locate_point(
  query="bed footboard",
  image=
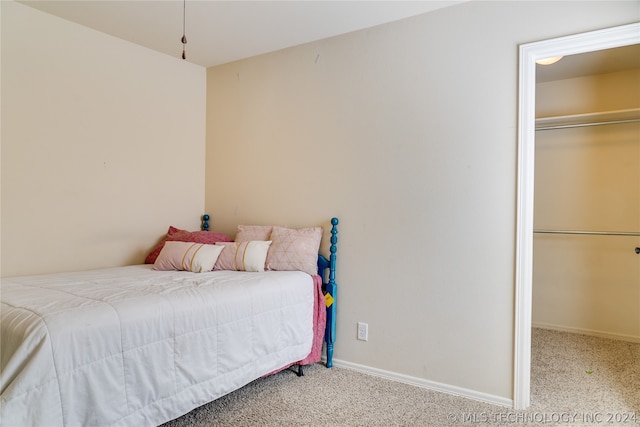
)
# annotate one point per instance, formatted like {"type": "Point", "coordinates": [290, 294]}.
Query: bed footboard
{"type": "Point", "coordinates": [330, 289]}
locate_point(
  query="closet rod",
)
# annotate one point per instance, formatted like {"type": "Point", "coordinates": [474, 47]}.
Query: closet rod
{"type": "Point", "coordinates": [598, 233]}
{"type": "Point", "coordinates": [631, 115]}
{"type": "Point", "coordinates": [578, 125]}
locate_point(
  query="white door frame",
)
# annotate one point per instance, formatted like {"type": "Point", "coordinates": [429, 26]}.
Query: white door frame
{"type": "Point", "coordinates": [580, 43]}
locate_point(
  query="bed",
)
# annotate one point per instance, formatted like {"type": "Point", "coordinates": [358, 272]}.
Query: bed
{"type": "Point", "coordinates": [143, 344]}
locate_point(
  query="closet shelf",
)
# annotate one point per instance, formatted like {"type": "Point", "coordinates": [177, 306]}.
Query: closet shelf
{"type": "Point", "coordinates": [589, 119]}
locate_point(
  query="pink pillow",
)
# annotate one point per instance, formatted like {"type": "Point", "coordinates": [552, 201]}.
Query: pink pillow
{"type": "Point", "coordinates": [243, 256]}
{"type": "Point", "coordinates": [253, 232]}
{"type": "Point", "coordinates": [187, 256]}
{"type": "Point", "coordinates": [175, 234]}
{"type": "Point", "coordinates": [294, 249]}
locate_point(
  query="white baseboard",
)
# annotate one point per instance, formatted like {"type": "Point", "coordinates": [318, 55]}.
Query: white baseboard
{"type": "Point", "coordinates": [594, 333]}
{"type": "Point", "coordinates": [422, 383]}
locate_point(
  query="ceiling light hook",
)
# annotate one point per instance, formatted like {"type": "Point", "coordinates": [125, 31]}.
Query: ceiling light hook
{"type": "Point", "coordinates": [184, 37]}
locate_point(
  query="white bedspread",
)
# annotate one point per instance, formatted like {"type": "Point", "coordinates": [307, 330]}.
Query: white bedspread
{"type": "Point", "coordinates": [133, 346]}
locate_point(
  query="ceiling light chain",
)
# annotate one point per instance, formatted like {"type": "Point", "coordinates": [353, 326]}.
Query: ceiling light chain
{"type": "Point", "coordinates": [184, 37]}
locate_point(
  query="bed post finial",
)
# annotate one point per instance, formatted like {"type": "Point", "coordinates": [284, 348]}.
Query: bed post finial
{"type": "Point", "coordinates": [332, 290]}
{"type": "Point", "coordinates": [333, 249]}
{"type": "Point", "coordinates": [205, 222]}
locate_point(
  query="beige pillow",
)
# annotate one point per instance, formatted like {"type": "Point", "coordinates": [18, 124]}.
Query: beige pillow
{"type": "Point", "coordinates": [294, 249]}
{"type": "Point", "coordinates": [243, 256]}
{"type": "Point", "coordinates": [247, 233]}
{"type": "Point", "coordinates": [187, 256]}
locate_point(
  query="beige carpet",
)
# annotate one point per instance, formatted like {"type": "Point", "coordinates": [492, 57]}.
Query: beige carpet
{"type": "Point", "coordinates": [576, 380]}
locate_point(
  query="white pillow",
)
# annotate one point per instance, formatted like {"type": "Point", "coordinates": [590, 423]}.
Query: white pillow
{"type": "Point", "coordinates": [243, 256]}
{"type": "Point", "coordinates": [187, 256]}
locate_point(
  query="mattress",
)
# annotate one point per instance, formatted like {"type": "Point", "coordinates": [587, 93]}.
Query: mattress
{"type": "Point", "coordinates": [135, 346]}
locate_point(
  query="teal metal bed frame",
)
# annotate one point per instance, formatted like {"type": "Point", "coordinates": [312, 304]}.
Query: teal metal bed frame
{"type": "Point", "coordinates": [330, 290]}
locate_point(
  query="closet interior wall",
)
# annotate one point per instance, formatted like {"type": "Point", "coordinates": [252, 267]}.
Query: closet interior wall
{"type": "Point", "coordinates": [587, 178]}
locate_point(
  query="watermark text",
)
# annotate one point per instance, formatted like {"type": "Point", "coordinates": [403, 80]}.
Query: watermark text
{"type": "Point", "coordinates": [612, 418]}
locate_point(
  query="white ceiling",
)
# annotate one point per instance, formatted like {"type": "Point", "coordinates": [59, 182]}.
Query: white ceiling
{"type": "Point", "coordinates": [223, 31]}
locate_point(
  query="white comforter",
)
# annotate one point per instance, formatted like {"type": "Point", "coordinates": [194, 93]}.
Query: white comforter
{"type": "Point", "coordinates": [132, 346]}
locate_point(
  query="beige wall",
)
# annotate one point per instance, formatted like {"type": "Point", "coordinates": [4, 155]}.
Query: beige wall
{"type": "Point", "coordinates": [588, 178]}
{"type": "Point", "coordinates": [407, 133]}
{"type": "Point", "coordinates": [589, 94]}
{"type": "Point", "coordinates": [103, 145]}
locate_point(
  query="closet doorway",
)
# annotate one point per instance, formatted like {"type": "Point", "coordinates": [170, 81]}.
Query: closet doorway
{"type": "Point", "coordinates": [573, 45]}
{"type": "Point", "coordinates": [586, 274]}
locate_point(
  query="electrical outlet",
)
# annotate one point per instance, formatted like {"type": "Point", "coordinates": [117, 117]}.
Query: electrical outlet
{"type": "Point", "coordinates": [363, 331]}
